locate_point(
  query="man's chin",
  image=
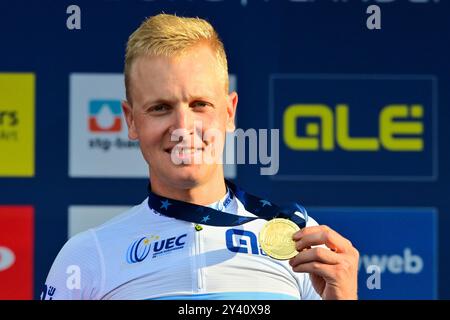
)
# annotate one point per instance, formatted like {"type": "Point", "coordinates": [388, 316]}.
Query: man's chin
{"type": "Point", "coordinates": [188, 176]}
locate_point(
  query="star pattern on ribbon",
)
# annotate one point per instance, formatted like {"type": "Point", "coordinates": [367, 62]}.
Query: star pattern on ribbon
{"type": "Point", "coordinates": [165, 204]}
{"type": "Point", "coordinates": [261, 208]}
{"type": "Point", "coordinates": [241, 219]}
{"type": "Point", "coordinates": [265, 203]}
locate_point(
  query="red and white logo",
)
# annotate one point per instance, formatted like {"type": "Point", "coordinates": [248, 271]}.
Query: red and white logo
{"type": "Point", "coordinates": [7, 258]}
{"type": "Point", "coordinates": [16, 252]}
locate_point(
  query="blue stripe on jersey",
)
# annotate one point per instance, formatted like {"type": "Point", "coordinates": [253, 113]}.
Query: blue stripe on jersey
{"type": "Point", "coordinates": [230, 296]}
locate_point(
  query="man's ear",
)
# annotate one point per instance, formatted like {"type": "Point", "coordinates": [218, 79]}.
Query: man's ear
{"type": "Point", "coordinates": [128, 112]}
{"type": "Point", "coordinates": [231, 111]}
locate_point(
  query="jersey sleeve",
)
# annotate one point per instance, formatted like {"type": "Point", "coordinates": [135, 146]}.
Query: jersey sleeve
{"type": "Point", "coordinates": [77, 272]}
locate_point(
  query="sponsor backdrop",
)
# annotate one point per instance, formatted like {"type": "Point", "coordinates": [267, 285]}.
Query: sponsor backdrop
{"type": "Point", "coordinates": [362, 117]}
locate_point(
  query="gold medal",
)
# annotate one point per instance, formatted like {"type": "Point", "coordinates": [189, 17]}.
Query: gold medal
{"type": "Point", "coordinates": [275, 238]}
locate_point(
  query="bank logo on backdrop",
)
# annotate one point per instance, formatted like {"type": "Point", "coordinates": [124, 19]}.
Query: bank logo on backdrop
{"type": "Point", "coordinates": [397, 246]}
{"type": "Point", "coordinates": [16, 252]}
{"type": "Point", "coordinates": [98, 137]}
{"type": "Point", "coordinates": [355, 127]}
{"type": "Point", "coordinates": [105, 116]}
{"type": "Point", "coordinates": [99, 144]}
{"type": "Point", "coordinates": [17, 101]}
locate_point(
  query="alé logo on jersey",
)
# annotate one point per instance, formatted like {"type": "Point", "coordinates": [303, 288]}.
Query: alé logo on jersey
{"type": "Point", "coordinates": [154, 246]}
{"type": "Point", "coordinates": [347, 127]}
{"type": "Point", "coordinates": [243, 241]}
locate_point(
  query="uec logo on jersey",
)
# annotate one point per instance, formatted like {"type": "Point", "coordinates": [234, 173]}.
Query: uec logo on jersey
{"type": "Point", "coordinates": [139, 250]}
{"type": "Point", "coordinates": [242, 241]}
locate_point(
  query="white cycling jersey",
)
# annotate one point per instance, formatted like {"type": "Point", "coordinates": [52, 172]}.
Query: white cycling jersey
{"type": "Point", "coordinates": [144, 255]}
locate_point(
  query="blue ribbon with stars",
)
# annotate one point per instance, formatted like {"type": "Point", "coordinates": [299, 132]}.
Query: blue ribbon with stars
{"type": "Point", "coordinates": [261, 208]}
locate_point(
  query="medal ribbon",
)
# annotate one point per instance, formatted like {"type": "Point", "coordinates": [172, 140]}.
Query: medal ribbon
{"type": "Point", "coordinates": [261, 208]}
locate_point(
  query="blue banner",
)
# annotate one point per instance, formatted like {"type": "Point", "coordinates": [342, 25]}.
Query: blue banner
{"type": "Point", "coordinates": [355, 127]}
{"type": "Point", "coordinates": [398, 249]}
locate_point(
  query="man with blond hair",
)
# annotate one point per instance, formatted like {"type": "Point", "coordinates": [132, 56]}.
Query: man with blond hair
{"type": "Point", "coordinates": [196, 235]}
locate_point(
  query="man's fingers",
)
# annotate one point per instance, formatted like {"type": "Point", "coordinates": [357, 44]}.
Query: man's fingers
{"type": "Point", "coordinates": [318, 235]}
{"type": "Point", "coordinates": [321, 269]}
{"type": "Point", "coordinates": [321, 255]}
{"type": "Point", "coordinates": [315, 239]}
{"type": "Point", "coordinates": [309, 240]}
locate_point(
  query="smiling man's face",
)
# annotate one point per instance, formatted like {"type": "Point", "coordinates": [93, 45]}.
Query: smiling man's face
{"type": "Point", "coordinates": [186, 92]}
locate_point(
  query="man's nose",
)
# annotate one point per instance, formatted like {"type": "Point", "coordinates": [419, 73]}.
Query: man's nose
{"type": "Point", "coordinates": [183, 119]}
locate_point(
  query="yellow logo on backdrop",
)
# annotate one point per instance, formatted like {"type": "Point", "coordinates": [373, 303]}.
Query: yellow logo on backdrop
{"type": "Point", "coordinates": [396, 133]}
{"type": "Point", "coordinates": [17, 124]}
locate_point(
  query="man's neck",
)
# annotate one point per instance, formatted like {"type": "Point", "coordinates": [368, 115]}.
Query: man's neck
{"type": "Point", "coordinates": [198, 193]}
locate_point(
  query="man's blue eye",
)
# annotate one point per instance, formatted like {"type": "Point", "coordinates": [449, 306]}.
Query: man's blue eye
{"type": "Point", "coordinates": [160, 107]}
{"type": "Point", "coordinates": [200, 104]}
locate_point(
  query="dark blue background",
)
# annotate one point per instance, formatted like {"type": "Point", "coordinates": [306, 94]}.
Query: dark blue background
{"type": "Point", "coordinates": [261, 38]}
{"type": "Point", "coordinates": [389, 232]}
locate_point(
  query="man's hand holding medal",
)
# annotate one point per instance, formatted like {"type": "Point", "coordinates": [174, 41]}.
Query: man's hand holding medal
{"type": "Point", "coordinates": [329, 258]}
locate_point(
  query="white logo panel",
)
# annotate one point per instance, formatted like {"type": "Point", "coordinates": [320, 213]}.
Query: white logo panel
{"type": "Point", "coordinates": [82, 218]}
{"type": "Point", "coordinates": [99, 144]}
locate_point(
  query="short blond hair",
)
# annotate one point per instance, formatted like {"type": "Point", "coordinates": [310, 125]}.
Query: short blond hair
{"type": "Point", "coordinates": [169, 35]}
